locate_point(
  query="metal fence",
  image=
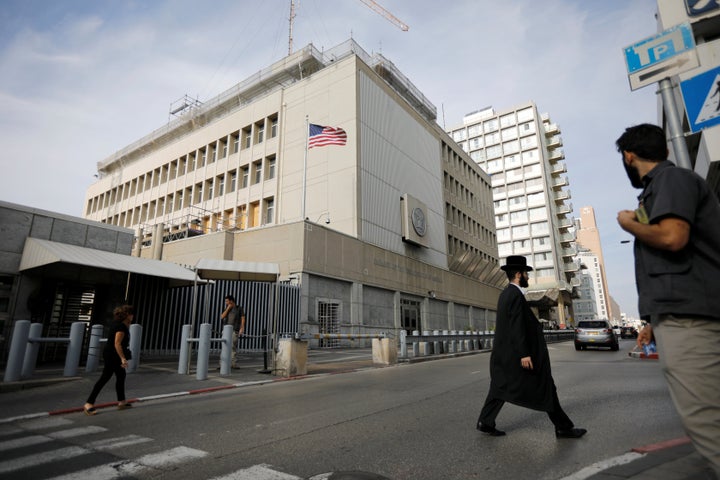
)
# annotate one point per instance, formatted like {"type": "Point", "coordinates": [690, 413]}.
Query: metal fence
{"type": "Point", "coordinates": [162, 311]}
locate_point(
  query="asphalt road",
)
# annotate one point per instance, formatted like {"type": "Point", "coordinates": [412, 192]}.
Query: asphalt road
{"type": "Point", "coordinates": [412, 421]}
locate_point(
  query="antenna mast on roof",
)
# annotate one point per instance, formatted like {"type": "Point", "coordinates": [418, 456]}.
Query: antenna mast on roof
{"type": "Point", "coordinates": [291, 20]}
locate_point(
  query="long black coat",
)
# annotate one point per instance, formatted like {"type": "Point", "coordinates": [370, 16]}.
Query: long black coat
{"type": "Point", "coordinates": [518, 334]}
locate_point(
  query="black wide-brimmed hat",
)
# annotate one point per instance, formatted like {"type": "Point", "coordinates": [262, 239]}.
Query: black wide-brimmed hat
{"type": "Point", "coordinates": [516, 262]}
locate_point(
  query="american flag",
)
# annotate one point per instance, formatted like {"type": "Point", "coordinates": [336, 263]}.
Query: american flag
{"type": "Point", "coordinates": [320, 136]}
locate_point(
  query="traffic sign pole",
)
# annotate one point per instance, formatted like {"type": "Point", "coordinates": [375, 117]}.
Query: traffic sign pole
{"type": "Point", "coordinates": [674, 123]}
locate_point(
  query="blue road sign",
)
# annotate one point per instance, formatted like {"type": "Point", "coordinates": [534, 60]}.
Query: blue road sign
{"type": "Point", "coordinates": [659, 48]}
{"type": "Point", "coordinates": [700, 7]}
{"type": "Point", "coordinates": [701, 95]}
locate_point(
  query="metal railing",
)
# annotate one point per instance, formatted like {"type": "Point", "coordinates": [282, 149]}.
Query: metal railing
{"type": "Point", "coordinates": [438, 342]}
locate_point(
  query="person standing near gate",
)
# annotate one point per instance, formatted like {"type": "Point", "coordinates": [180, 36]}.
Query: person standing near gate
{"type": "Point", "coordinates": [234, 315]}
{"type": "Point", "coordinates": [520, 362]}
{"type": "Point", "coordinates": [115, 355]}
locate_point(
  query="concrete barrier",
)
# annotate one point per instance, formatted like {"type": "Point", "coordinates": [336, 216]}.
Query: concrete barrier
{"type": "Point", "coordinates": [291, 358]}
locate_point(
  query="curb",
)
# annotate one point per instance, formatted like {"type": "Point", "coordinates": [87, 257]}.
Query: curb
{"type": "Point", "coordinates": [161, 396]}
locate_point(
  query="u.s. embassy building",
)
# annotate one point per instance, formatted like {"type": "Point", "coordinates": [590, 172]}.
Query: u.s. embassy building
{"type": "Point", "coordinates": [394, 230]}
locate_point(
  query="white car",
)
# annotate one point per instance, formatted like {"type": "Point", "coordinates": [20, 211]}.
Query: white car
{"type": "Point", "coordinates": [616, 330]}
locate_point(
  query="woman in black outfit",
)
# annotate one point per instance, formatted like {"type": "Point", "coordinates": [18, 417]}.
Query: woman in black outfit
{"type": "Point", "coordinates": [115, 355]}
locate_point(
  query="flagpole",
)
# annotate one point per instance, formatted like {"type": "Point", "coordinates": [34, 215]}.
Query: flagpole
{"type": "Point", "coordinates": [304, 185]}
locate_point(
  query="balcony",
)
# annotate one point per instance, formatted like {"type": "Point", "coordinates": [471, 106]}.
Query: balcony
{"type": "Point", "coordinates": [561, 196]}
{"type": "Point", "coordinates": [554, 142]}
{"type": "Point", "coordinates": [572, 266]}
{"type": "Point", "coordinates": [567, 238]}
{"type": "Point", "coordinates": [565, 224]}
{"type": "Point", "coordinates": [551, 129]}
{"type": "Point", "coordinates": [560, 182]}
{"type": "Point", "coordinates": [575, 282]}
{"type": "Point", "coordinates": [557, 168]}
{"type": "Point", "coordinates": [556, 155]}
{"type": "Point", "coordinates": [569, 252]}
{"type": "Point", "coordinates": [564, 209]}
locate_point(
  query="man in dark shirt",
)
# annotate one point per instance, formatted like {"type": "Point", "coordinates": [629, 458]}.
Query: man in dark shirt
{"type": "Point", "coordinates": [233, 315]}
{"type": "Point", "coordinates": [677, 270]}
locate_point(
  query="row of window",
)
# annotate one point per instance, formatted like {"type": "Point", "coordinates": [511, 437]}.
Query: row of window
{"type": "Point", "coordinates": [522, 231]}
{"type": "Point", "coordinates": [208, 154]}
{"type": "Point", "coordinates": [493, 124]}
{"type": "Point", "coordinates": [466, 223]}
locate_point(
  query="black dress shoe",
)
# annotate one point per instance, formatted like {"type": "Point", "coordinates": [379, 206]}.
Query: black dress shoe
{"type": "Point", "coordinates": [570, 433]}
{"type": "Point", "coordinates": [492, 431]}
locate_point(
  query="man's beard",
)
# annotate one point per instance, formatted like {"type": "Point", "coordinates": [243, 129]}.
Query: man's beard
{"type": "Point", "coordinates": [633, 175]}
{"type": "Point", "coordinates": [524, 281]}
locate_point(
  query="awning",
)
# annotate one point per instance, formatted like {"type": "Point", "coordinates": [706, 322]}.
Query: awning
{"type": "Point", "coordinates": [209, 269]}
{"type": "Point", "coordinates": [39, 253]}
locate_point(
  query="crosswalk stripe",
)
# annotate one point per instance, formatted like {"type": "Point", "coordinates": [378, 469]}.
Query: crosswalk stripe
{"type": "Point", "coordinates": [258, 472]}
{"type": "Point", "coordinates": [76, 432]}
{"type": "Point", "coordinates": [109, 471]}
{"type": "Point", "coordinates": [118, 442]}
{"type": "Point", "coordinates": [169, 457]}
{"type": "Point", "coordinates": [39, 458]}
{"type": "Point", "coordinates": [45, 422]}
{"type": "Point", "coordinates": [126, 468]}
{"type": "Point", "coordinates": [23, 442]}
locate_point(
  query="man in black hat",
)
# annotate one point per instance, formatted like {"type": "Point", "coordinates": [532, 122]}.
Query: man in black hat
{"type": "Point", "coordinates": [520, 363]}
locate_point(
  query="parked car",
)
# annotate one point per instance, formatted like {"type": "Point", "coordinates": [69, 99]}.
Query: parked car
{"type": "Point", "coordinates": [595, 333]}
{"type": "Point", "coordinates": [628, 332]}
{"type": "Point", "coordinates": [617, 330]}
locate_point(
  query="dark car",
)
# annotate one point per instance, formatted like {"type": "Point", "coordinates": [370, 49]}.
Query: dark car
{"type": "Point", "coordinates": [628, 332]}
{"type": "Point", "coordinates": [595, 333]}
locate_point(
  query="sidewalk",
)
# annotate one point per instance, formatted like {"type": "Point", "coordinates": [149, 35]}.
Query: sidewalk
{"type": "Point", "coordinates": [49, 393]}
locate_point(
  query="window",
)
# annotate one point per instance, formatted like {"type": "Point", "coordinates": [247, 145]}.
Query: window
{"type": "Point", "coordinates": [259, 132]}
{"type": "Point", "coordinates": [257, 172]}
{"type": "Point", "coordinates": [525, 115]}
{"type": "Point", "coordinates": [328, 315]}
{"type": "Point", "coordinates": [459, 135]}
{"type": "Point", "coordinates": [235, 139]}
{"type": "Point", "coordinates": [474, 130]}
{"type": "Point", "coordinates": [538, 213]}
{"type": "Point", "coordinates": [476, 143]}
{"type": "Point", "coordinates": [494, 151]}
{"type": "Point", "coordinates": [494, 166]}
{"type": "Point", "coordinates": [203, 158]}
{"type": "Point", "coordinates": [539, 228]}
{"type": "Point", "coordinates": [233, 181]}
{"type": "Point", "coordinates": [539, 242]}
{"type": "Point", "coordinates": [269, 210]}
{"type": "Point", "coordinates": [270, 168]}
{"type": "Point", "coordinates": [530, 157]}
{"type": "Point", "coordinates": [519, 217]}
{"type": "Point", "coordinates": [273, 127]}
{"type": "Point", "coordinates": [520, 231]}
{"type": "Point", "coordinates": [247, 137]}
{"type": "Point", "coordinates": [509, 133]}
{"type": "Point", "coordinates": [528, 142]}
{"type": "Point", "coordinates": [492, 138]}
{"type": "Point", "coordinates": [221, 185]}
{"type": "Point", "coordinates": [511, 147]}
{"type": "Point", "coordinates": [527, 128]}
{"type": "Point", "coordinates": [490, 125]}
{"type": "Point", "coordinates": [245, 174]}
{"type": "Point", "coordinates": [507, 120]}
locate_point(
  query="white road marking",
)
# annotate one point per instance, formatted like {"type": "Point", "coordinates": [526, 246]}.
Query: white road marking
{"type": "Point", "coordinates": [172, 456]}
{"type": "Point", "coordinates": [127, 468]}
{"type": "Point", "coordinates": [23, 442]}
{"type": "Point", "coordinates": [39, 458]}
{"type": "Point", "coordinates": [258, 472]}
{"type": "Point", "coordinates": [76, 432]}
{"type": "Point", "coordinates": [598, 467]}
{"type": "Point", "coordinates": [45, 422]}
{"type": "Point", "coordinates": [118, 442]}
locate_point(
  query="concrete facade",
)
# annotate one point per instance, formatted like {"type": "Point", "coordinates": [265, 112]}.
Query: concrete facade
{"type": "Point", "coordinates": [31, 295]}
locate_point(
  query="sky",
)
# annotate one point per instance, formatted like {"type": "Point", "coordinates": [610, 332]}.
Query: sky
{"type": "Point", "coordinates": [81, 79]}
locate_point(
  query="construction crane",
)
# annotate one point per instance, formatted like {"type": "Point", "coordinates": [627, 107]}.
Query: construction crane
{"type": "Point", "coordinates": [389, 16]}
{"type": "Point", "coordinates": [370, 3]}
